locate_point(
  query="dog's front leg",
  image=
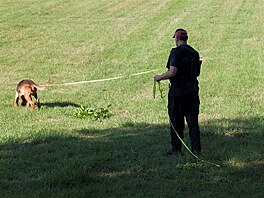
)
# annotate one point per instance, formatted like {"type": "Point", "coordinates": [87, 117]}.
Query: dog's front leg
{"type": "Point", "coordinates": [16, 100]}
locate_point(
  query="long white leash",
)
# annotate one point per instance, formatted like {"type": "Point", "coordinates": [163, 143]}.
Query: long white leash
{"type": "Point", "coordinates": [104, 79]}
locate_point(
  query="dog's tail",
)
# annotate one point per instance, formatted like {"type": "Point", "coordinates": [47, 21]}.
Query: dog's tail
{"type": "Point", "coordinates": [41, 87]}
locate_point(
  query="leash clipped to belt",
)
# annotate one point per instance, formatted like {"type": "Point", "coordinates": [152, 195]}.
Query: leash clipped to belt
{"type": "Point", "coordinates": [162, 97]}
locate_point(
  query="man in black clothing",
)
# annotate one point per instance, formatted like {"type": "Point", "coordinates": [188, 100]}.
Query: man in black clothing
{"type": "Point", "coordinates": [183, 98]}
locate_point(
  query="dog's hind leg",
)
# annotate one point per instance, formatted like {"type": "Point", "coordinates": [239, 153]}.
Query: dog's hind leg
{"type": "Point", "coordinates": [31, 103]}
{"type": "Point", "coordinates": [34, 93]}
{"type": "Point", "coordinates": [29, 100]}
{"type": "Point", "coordinates": [38, 103]}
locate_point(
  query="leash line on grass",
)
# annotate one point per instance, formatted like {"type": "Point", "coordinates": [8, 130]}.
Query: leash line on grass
{"type": "Point", "coordinates": [162, 97]}
{"type": "Point", "coordinates": [154, 94]}
{"type": "Point", "coordinates": [104, 79]}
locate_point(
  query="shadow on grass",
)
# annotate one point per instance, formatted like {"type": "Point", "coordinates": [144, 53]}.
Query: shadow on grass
{"type": "Point", "coordinates": [59, 104]}
{"type": "Point", "coordinates": [128, 161]}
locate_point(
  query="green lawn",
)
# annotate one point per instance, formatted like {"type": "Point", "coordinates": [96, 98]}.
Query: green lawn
{"type": "Point", "coordinates": [48, 152]}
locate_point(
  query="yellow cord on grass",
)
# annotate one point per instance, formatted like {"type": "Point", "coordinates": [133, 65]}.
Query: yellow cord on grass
{"type": "Point", "coordinates": [154, 94]}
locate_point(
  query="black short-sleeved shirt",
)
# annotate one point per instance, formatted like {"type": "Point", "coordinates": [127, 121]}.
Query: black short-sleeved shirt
{"type": "Point", "coordinates": [185, 81]}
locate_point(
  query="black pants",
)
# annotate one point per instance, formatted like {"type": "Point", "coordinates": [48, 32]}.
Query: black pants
{"type": "Point", "coordinates": [180, 107]}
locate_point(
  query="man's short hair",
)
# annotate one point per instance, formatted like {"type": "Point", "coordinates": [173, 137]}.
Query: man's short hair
{"type": "Point", "coordinates": [181, 34]}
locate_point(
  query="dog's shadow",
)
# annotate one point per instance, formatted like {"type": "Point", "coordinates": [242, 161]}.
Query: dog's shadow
{"type": "Point", "coordinates": [59, 104]}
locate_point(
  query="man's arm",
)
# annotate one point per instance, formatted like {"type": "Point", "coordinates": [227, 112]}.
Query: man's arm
{"type": "Point", "coordinates": [167, 75]}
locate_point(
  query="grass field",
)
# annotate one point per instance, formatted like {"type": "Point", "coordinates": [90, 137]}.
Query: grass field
{"type": "Point", "coordinates": [48, 152]}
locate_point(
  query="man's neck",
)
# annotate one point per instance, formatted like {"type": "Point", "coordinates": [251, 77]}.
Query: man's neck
{"type": "Point", "coordinates": [179, 43]}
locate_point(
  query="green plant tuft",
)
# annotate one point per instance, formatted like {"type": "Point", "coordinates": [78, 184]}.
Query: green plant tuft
{"type": "Point", "coordinates": [84, 112]}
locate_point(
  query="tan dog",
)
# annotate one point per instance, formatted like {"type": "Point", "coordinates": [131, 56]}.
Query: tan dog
{"type": "Point", "coordinates": [25, 90]}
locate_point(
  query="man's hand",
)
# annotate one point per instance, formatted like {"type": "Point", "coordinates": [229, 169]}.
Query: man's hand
{"type": "Point", "coordinates": [167, 75]}
{"type": "Point", "coordinates": [157, 78]}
